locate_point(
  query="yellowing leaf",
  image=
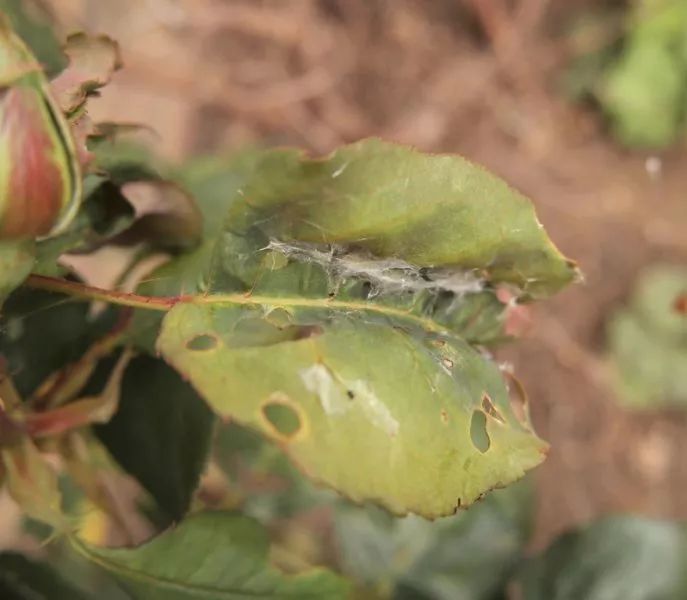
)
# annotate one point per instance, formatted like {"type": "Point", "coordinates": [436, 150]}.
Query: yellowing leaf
{"type": "Point", "coordinates": [379, 412]}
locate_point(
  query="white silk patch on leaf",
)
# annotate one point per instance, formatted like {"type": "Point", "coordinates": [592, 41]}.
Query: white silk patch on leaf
{"type": "Point", "coordinates": [338, 397]}
{"type": "Point", "coordinates": [387, 275]}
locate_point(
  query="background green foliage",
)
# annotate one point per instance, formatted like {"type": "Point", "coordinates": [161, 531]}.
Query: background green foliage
{"type": "Point", "coordinates": [648, 340]}
{"type": "Point", "coordinates": [640, 81]}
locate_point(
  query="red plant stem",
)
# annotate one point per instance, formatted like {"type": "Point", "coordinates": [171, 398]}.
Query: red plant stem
{"type": "Point", "coordinates": [87, 292]}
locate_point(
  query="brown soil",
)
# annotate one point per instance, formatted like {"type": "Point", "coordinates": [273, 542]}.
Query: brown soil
{"type": "Point", "coordinates": [478, 78]}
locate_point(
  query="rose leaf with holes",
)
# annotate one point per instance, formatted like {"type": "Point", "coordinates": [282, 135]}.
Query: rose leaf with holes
{"type": "Point", "coordinates": [340, 307]}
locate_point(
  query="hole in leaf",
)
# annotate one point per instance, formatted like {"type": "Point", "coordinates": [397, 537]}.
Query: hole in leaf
{"type": "Point", "coordinates": [437, 342]}
{"type": "Point", "coordinates": [279, 317]}
{"type": "Point", "coordinates": [204, 341]}
{"type": "Point", "coordinates": [478, 431]}
{"type": "Point", "coordinates": [489, 408]}
{"type": "Point", "coordinates": [283, 418]}
{"type": "Point", "coordinates": [518, 399]}
{"type": "Point", "coordinates": [308, 331]}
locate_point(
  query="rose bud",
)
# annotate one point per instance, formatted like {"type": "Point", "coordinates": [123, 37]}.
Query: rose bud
{"type": "Point", "coordinates": [40, 179]}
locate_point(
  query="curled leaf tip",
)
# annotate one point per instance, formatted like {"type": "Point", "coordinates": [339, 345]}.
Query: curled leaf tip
{"type": "Point", "coordinates": [93, 59]}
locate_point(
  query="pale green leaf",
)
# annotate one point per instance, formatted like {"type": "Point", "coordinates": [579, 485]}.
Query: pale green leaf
{"type": "Point", "coordinates": [373, 405]}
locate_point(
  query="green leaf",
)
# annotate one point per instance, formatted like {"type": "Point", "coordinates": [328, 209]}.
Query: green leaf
{"type": "Point", "coordinates": [437, 221]}
{"type": "Point", "coordinates": [24, 579]}
{"type": "Point", "coordinates": [643, 88]}
{"type": "Point", "coordinates": [644, 94]}
{"type": "Point", "coordinates": [332, 305]}
{"type": "Point", "coordinates": [615, 558]}
{"type": "Point", "coordinates": [432, 211]}
{"type": "Point", "coordinates": [211, 555]}
{"type": "Point", "coordinates": [81, 572]}
{"type": "Point", "coordinates": [160, 434]}
{"type": "Point", "coordinates": [469, 556]}
{"type": "Point", "coordinates": [648, 341]}
{"type": "Point", "coordinates": [16, 262]}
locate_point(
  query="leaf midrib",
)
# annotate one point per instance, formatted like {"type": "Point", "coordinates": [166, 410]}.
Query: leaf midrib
{"type": "Point", "coordinates": [323, 303]}
{"type": "Point", "coordinates": [167, 303]}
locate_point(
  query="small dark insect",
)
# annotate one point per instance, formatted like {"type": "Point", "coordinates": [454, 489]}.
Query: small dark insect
{"type": "Point", "coordinates": [350, 394]}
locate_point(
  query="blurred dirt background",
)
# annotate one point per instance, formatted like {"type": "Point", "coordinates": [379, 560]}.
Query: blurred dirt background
{"type": "Point", "coordinates": [477, 77]}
